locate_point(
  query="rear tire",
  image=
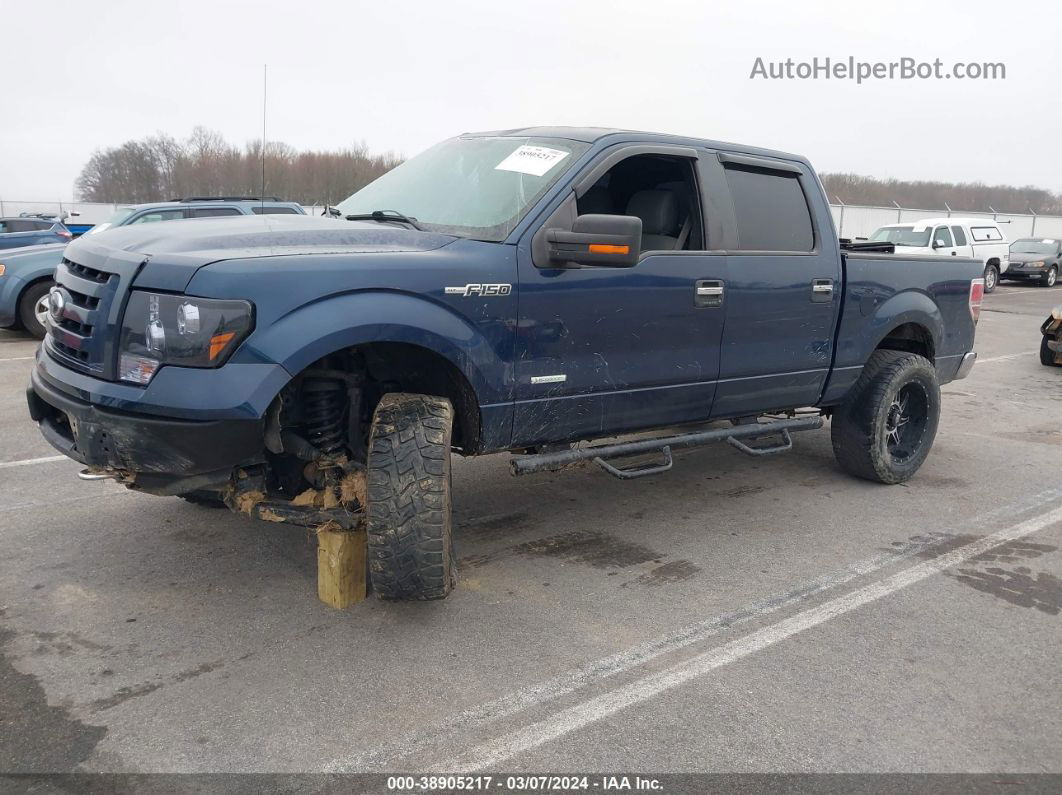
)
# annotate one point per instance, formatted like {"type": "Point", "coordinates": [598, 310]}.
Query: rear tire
{"type": "Point", "coordinates": [991, 278]}
{"type": "Point", "coordinates": [1047, 356]}
{"type": "Point", "coordinates": [409, 522]}
{"type": "Point", "coordinates": [1050, 277]}
{"type": "Point", "coordinates": [28, 308]}
{"type": "Point", "coordinates": [886, 426]}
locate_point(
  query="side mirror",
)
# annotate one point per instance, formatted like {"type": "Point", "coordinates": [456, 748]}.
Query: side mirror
{"type": "Point", "coordinates": [938, 243]}
{"type": "Point", "coordinates": [606, 240]}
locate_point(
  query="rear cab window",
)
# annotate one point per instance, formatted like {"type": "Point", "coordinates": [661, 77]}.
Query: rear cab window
{"type": "Point", "coordinates": [960, 236]}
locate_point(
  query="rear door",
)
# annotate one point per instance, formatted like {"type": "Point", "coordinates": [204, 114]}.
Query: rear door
{"type": "Point", "coordinates": [962, 241]}
{"type": "Point", "coordinates": [783, 288]}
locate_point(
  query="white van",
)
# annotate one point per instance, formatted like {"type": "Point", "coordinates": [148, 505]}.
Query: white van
{"type": "Point", "coordinates": [954, 237]}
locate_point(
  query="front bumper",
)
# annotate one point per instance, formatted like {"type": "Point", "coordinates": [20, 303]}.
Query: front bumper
{"type": "Point", "coordinates": [153, 449]}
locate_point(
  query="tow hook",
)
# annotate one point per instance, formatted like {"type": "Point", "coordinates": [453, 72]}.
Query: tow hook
{"type": "Point", "coordinates": [100, 474]}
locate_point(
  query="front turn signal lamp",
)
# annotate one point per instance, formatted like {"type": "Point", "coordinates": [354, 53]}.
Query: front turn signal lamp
{"type": "Point", "coordinates": [162, 329]}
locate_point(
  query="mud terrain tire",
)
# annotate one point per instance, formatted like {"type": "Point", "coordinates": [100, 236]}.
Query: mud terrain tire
{"type": "Point", "coordinates": [885, 428]}
{"type": "Point", "coordinates": [409, 520]}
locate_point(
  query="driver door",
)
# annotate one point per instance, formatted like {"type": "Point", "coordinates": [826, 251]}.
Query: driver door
{"type": "Point", "coordinates": [603, 350]}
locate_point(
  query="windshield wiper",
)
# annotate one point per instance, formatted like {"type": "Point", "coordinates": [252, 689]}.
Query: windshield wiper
{"type": "Point", "coordinates": [385, 216]}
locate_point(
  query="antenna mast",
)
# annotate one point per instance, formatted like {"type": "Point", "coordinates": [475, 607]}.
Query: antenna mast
{"type": "Point", "coordinates": [265, 83]}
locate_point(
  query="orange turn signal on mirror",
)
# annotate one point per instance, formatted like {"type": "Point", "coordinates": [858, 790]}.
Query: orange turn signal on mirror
{"type": "Point", "coordinates": [607, 248]}
{"type": "Point", "coordinates": [218, 343]}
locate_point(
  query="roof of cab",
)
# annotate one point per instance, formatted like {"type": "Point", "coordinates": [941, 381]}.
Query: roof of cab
{"type": "Point", "coordinates": [592, 135]}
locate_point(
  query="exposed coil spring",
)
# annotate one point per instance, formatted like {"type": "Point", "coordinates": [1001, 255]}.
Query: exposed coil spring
{"type": "Point", "coordinates": [323, 407]}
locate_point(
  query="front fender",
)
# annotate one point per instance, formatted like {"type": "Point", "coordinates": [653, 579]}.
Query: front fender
{"type": "Point", "coordinates": [21, 270]}
{"type": "Point", "coordinates": [314, 330]}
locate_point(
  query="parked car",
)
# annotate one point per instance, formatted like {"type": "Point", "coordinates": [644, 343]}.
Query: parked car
{"type": "Point", "coordinates": [197, 207]}
{"type": "Point", "coordinates": [1035, 259]}
{"type": "Point", "coordinates": [1051, 339]}
{"type": "Point", "coordinates": [24, 288]}
{"type": "Point", "coordinates": [510, 291]}
{"type": "Point", "coordinates": [21, 232]}
{"type": "Point", "coordinates": [954, 237]}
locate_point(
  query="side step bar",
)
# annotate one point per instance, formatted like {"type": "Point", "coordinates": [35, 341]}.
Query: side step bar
{"type": "Point", "coordinates": [551, 462]}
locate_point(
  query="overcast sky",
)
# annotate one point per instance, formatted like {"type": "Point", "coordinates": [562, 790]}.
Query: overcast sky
{"type": "Point", "coordinates": [400, 76]}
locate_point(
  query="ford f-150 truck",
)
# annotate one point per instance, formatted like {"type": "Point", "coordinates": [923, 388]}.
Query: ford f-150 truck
{"type": "Point", "coordinates": [540, 291]}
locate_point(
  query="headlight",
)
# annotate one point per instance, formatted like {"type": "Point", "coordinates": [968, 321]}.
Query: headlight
{"type": "Point", "coordinates": [180, 330]}
{"type": "Point", "coordinates": [1037, 264]}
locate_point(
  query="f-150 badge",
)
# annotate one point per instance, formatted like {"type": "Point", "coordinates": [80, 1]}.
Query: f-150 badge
{"type": "Point", "coordinates": [485, 290]}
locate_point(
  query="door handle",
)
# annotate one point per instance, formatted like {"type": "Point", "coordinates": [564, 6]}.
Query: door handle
{"type": "Point", "coordinates": [708, 292]}
{"type": "Point", "coordinates": [821, 290]}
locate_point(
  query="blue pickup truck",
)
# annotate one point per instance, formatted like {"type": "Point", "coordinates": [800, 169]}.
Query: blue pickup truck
{"type": "Point", "coordinates": [539, 291]}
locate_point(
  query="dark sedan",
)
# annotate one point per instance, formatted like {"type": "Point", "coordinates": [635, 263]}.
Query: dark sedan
{"type": "Point", "coordinates": [1035, 259]}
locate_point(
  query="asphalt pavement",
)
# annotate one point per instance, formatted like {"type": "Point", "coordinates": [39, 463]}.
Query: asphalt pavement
{"type": "Point", "coordinates": [733, 615]}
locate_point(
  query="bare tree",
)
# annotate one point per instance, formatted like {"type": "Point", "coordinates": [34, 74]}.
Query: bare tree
{"type": "Point", "coordinates": [925, 195]}
{"type": "Point", "coordinates": [160, 167]}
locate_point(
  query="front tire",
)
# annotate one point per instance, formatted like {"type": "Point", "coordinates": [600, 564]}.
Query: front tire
{"type": "Point", "coordinates": [886, 426]}
{"type": "Point", "coordinates": [1050, 277]}
{"type": "Point", "coordinates": [33, 308]}
{"type": "Point", "coordinates": [991, 278]}
{"type": "Point", "coordinates": [409, 522]}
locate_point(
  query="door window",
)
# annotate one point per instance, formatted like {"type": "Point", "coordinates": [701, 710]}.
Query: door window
{"type": "Point", "coordinates": [960, 236]}
{"type": "Point", "coordinates": [267, 210]}
{"type": "Point", "coordinates": [659, 189]}
{"type": "Point", "coordinates": [772, 211]}
{"type": "Point", "coordinates": [159, 215]}
{"type": "Point", "coordinates": [942, 238]}
{"type": "Point", "coordinates": [214, 212]}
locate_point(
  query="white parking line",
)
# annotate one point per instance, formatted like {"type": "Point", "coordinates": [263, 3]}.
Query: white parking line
{"type": "Point", "coordinates": [1005, 357]}
{"type": "Point", "coordinates": [31, 461]}
{"type": "Point", "coordinates": [396, 754]}
{"type": "Point", "coordinates": [1018, 292]}
{"type": "Point", "coordinates": [487, 755]}
{"type": "Point", "coordinates": [17, 358]}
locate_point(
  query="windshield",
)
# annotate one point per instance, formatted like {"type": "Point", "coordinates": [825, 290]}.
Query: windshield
{"type": "Point", "coordinates": [1029, 246]}
{"type": "Point", "coordinates": [470, 187]}
{"type": "Point", "coordinates": [902, 236]}
{"type": "Point", "coordinates": [115, 220]}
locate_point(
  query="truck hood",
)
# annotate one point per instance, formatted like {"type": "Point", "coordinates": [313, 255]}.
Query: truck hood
{"type": "Point", "coordinates": [175, 250]}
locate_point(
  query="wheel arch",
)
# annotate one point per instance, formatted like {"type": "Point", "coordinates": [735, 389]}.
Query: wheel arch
{"type": "Point", "coordinates": [435, 352]}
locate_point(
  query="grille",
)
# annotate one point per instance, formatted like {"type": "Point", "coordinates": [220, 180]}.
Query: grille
{"type": "Point", "coordinates": [86, 292]}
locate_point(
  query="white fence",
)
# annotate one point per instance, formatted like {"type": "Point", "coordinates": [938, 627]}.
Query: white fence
{"type": "Point", "coordinates": [852, 220]}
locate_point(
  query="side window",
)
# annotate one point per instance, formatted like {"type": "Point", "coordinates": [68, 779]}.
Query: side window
{"type": "Point", "coordinates": [983, 234]}
{"type": "Point", "coordinates": [159, 215]}
{"type": "Point", "coordinates": [772, 211]}
{"type": "Point", "coordinates": [960, 236]}
{"type": "Point", "coordinates": [214, 212]}
{"type": "Point", "coordinates": [19, 226]}
{"type": "Point", "coordinates": [4, 227]}
{"type": "Point", "coordinates": [267, 210]}
{"type": "Point", "coordinates": [659, 189]}
{"type": "Point", "coordinates": [943, 235]}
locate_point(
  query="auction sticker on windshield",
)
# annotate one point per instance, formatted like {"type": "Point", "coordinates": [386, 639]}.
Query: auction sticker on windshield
{"type": "Point", "coordinates": [534, 160]}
